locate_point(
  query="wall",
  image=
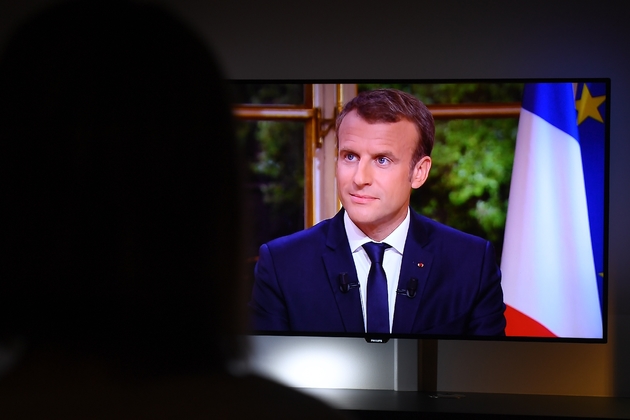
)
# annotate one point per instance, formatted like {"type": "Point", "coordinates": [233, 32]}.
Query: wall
{"type": "Point", "coordinates": [451, 39]}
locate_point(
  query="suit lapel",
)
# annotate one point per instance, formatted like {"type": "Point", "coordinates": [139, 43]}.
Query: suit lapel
{"type": "Point", "coordinates": [416, 263]}
{"type": "Point", "coordinates": [337, 260]}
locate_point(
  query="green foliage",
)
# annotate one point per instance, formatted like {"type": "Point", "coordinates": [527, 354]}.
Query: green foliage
{"type": "Point", "coordinates": [469, 181]}
{"type": "Point", "coordinates": [280, 162]}
{"type": "Point", "coordinates": [274, 178]}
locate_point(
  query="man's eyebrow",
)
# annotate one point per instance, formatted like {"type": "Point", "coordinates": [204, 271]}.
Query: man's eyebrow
{"type": "Point", "coordinates": [346, 149]}
{"type": "Point", "coordinates": [386, 153]}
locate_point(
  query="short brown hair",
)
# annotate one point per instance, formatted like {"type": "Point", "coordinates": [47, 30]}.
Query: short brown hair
{"type": "Point", "coordinates": [392, 105]}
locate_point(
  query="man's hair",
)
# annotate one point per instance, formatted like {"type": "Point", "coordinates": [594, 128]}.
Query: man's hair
{"type": "Point", "coordinates": [390, 106]}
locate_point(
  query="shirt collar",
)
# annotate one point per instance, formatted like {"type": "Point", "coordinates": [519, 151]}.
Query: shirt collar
{"type": "Point", "coordinates": [356, 237]}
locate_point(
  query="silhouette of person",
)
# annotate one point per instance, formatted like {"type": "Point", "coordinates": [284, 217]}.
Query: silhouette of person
{"type": "Point", "coordinates": [122, 289]}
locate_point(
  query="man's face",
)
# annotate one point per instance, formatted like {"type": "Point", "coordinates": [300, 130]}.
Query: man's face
{"type": "Point", "coordinates": [374, 178]}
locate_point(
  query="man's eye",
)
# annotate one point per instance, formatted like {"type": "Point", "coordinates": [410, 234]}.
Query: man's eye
{"type": "Point", "coordinates": [350, 156]}
{"type": "Point", "coordinates": [382, 160]}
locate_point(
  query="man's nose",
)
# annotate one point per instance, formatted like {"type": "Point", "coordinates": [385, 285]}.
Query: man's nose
{"type": "Point", "coordinates": [363, 173]}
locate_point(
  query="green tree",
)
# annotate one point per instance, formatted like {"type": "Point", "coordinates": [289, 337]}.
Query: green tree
{"type": "Point", "coordinates": [469, 182]}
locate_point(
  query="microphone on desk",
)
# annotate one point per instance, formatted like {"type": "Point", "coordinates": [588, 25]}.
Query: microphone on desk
{"type": "Point", "coordinates": [411, 290]}
{"type": "Point", "coordinates": [344, 283]}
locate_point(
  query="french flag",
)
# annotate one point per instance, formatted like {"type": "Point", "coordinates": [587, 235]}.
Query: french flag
{"type": "Point", "coordinates": [549, 274]}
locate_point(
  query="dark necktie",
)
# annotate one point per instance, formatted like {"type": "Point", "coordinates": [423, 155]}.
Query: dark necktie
{"type": "Point", "coordinates": [377, 307]}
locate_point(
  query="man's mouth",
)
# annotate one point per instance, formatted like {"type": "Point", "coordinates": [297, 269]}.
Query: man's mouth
{"type": "Point", "coordinates": [361, 198]}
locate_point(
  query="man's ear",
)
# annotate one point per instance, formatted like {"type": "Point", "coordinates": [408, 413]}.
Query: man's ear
{"type": "Point", "coordinates": [420, 172]}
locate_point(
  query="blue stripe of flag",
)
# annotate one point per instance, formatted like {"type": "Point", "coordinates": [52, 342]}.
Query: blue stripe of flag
{"type": "Point", "coordinates": [550, 101]}
{"type": "Point", "coordinates": [593, 145]}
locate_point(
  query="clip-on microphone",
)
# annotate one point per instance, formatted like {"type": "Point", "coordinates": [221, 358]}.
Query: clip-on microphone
{"type": "Point", "coordinates": [344, 283]}
{"type": "Point", "coordinates": [412, 288]}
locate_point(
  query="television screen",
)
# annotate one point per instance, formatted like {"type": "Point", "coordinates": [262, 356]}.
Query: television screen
{"type": "Point", "coordinates": [495, 229]}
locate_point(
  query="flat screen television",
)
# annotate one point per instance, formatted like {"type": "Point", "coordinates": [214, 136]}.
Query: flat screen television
{"type": "Point", "coordinates": [522, 164]}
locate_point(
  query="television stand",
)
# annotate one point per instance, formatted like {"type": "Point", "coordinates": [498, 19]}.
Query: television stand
{"type": "Point", "coordinates": [368, 404]}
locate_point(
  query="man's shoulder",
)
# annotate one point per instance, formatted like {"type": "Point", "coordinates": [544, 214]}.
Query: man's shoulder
{"type": "Point", "coordinates": [309, 237]}
{"type": "Point", "coordinates": [431, 230]}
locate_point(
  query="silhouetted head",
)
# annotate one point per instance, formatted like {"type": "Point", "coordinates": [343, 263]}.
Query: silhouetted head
{"type": "Point", "coordinates": [120, 177]}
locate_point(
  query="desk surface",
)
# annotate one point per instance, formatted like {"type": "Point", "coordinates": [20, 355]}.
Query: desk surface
{"type": "Point", "coordinates": [475, 403]}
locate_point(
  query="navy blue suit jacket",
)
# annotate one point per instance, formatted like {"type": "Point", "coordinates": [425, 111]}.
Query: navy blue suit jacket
{"type": "Point", "coordinates": [459, 283]}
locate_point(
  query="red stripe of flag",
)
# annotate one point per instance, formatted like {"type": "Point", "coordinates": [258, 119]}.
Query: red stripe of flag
{"type": "Point", "coordinates": [519, 324]}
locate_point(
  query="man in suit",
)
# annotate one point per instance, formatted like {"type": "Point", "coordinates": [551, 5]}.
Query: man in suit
{"type": "Point", "coordinates": [434, 279]}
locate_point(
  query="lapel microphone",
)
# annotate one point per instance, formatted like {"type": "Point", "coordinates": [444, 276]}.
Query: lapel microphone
{"type": "Point", "coordinates": [344, 283]}
{"type": "Point", "coordinates": [412, 288]}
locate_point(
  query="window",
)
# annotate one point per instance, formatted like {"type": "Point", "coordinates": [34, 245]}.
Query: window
{"type": "Point", "coordinates": [287, 132]}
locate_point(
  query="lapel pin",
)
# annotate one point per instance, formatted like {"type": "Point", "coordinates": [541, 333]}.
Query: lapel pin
{"type": "Point", "coordinates": [420, 265]}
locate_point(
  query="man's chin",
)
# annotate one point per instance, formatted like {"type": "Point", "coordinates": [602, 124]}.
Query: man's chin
{"type": "Point", "coordinates": [360, 214]}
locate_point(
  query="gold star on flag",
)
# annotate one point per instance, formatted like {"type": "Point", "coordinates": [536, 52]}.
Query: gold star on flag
{"type": "Point", "coordinates": [587, 106]}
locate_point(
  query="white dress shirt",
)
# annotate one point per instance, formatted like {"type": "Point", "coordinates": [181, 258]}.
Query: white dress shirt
{"type": "Point", "coordinates": [391, 261]}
